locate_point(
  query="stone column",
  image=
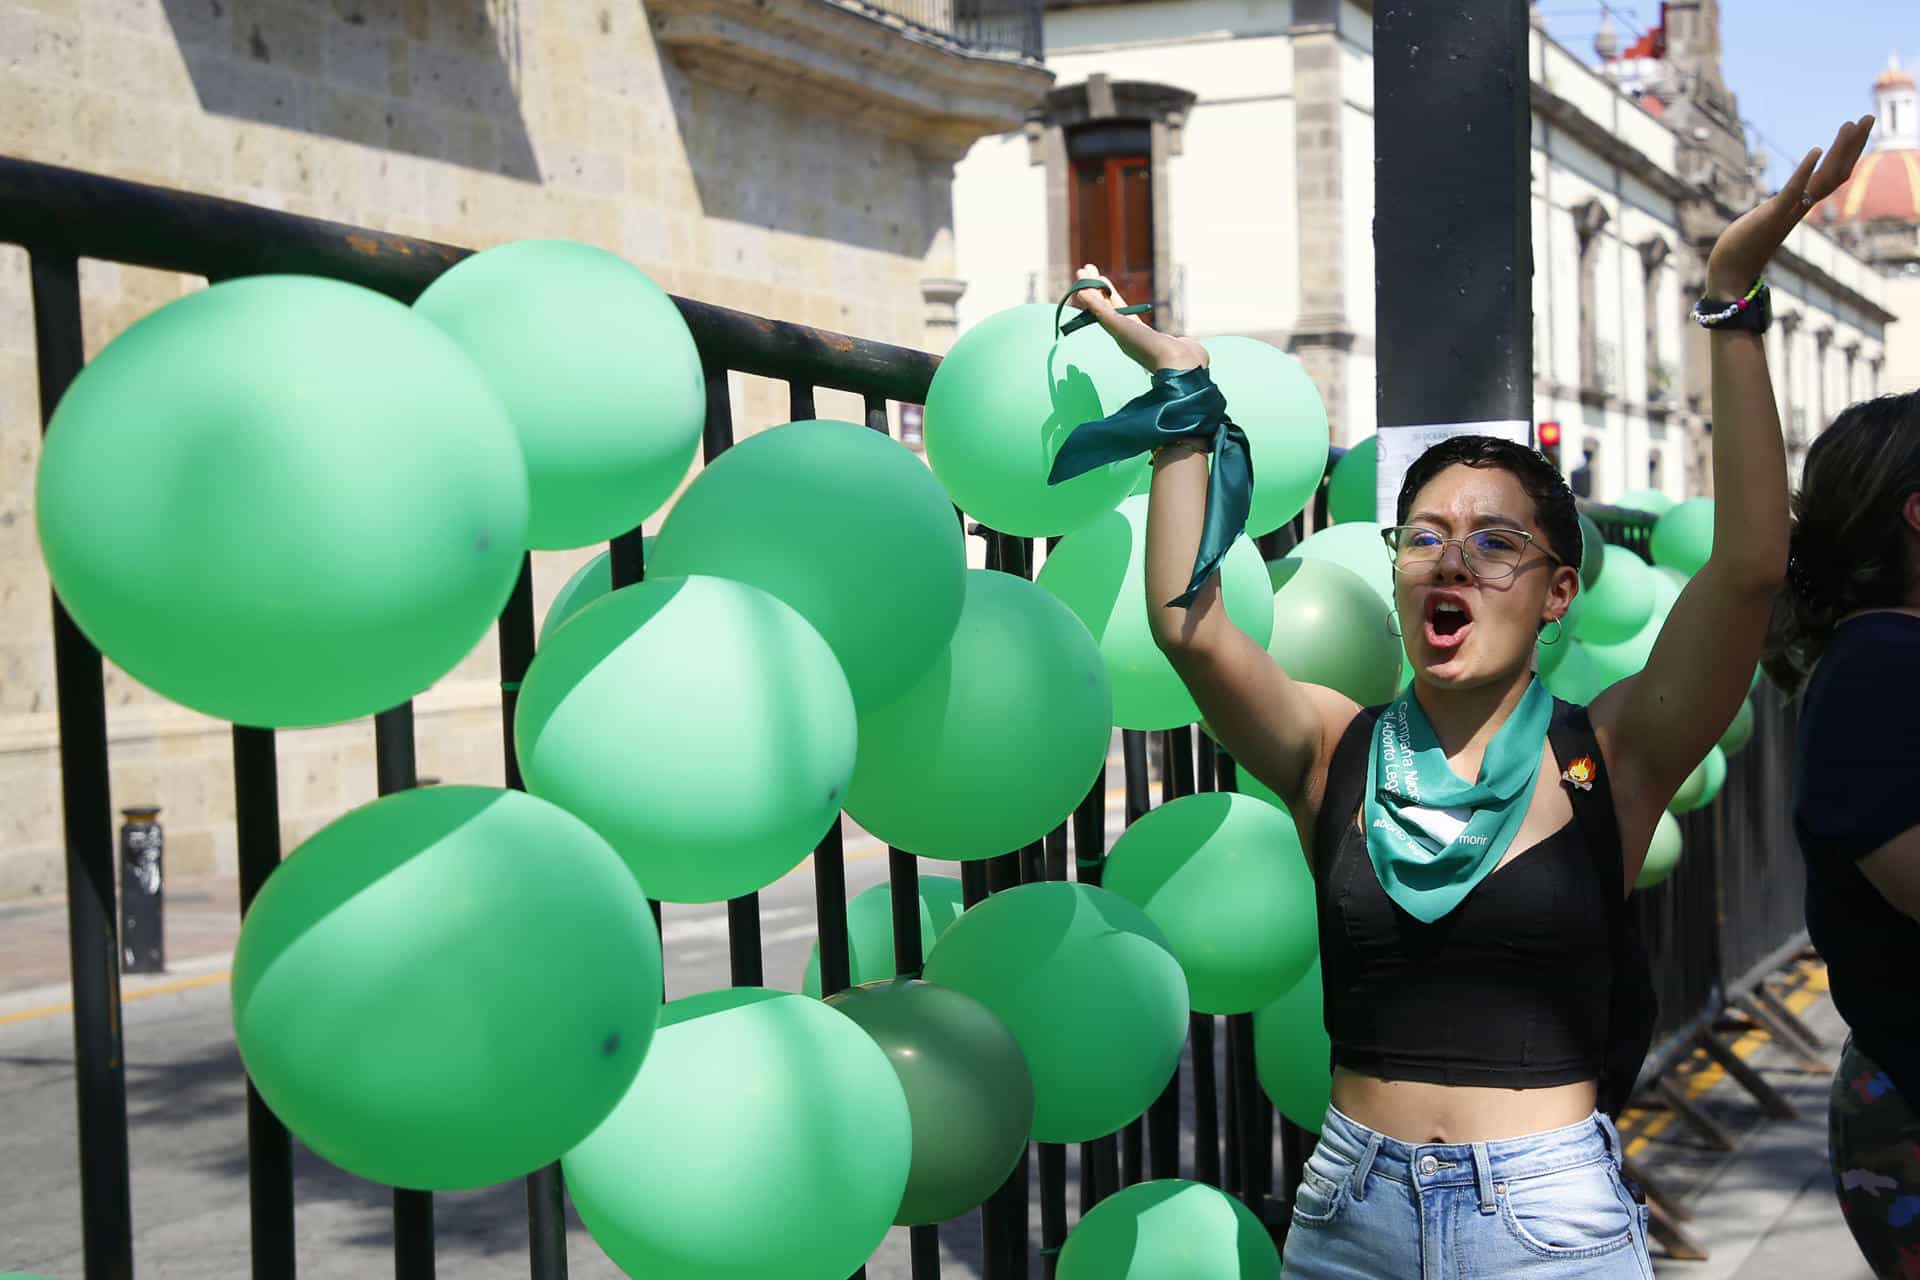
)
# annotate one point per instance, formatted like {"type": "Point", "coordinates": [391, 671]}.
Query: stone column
{"type": "Point", "coordinates": [1322, 335]}
{"type": "Point", "coordinates": [1821, 411]}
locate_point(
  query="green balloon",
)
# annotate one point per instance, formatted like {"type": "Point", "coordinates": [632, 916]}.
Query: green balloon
{"type": "Point", "coordinates": [700, 725]}
{"type": "Point", "coordinates": [1089, 987]}
{"type": "Point", "coordinates": [1593, 545]}
{"type": "Point", "coordinates": [1018, 710]}
{"type": "Point", "coordinates": [1248, 785]}
{"type": "Point", "coordinates": [1271, 398]}
{"type": "Point", "coordinates": [1702, 785]}
{"type": "Point", "coordinates": [1355, 546]}
{"type": "Point", "coordinates": [766, 1137]}
{"type": "Point", "coordinates": [1292, 1054]}
{"type": "Point", "coordinates": [1224, 878]}
{"type": "Point", "coordinates": [845, 525]}
{"type": "Point", "coordinates": [1169, 1230]}
{"type": "Point", "coordinates": [1740, 732]}
{"type": "Point", "coordinates": [967, 1085]}
{"type": "Point", "coordinates": [1351, 492]}
{"type": "Point", "coordinates": [870, 929]}
{"type": "Point", "coordinates": [1099, 572]}
{"type": "Point", "coordinates": [1683, 536]}
{"type": "Point", "coordinates": [1616, 662]}
{"type": "Point", "coordinates": [282, 501]}
{"type": "Point", "coordinates": [1662, 854]}
{"type": "Point", "coordinates": [1651, 501]}
{"type": "Point", "coordinates": [1004, 400]}
{"type": "Point", "coordinates": [386, 1008]}
{"type": "Point", "coordinates": [590, 582]}
{"type": "Point", "coordinates": [1575, 678]}
{"type": "Point", "coordinates": [1620, 603]}
{"type": "Point", "coordinates": [597, 370]}
{"type": "Point", "coordinates": [1330, 628]}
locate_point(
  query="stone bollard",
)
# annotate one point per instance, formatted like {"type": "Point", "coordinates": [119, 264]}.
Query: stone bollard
{"type": "Point", "coordinates": [142, 937]}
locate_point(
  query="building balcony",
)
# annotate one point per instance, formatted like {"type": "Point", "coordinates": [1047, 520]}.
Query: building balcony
{"type": "Point", "coordinates": [937, 73]}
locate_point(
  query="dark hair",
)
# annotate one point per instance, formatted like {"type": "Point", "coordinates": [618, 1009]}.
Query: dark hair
{"type": "Point", "coordinates": [1848, 547]}
{"type": "Point", "coordinates": [1553, 506]}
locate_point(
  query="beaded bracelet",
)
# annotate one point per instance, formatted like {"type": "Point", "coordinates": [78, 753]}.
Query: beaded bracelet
{"type": "Point", "coordinates": [1706, 321]}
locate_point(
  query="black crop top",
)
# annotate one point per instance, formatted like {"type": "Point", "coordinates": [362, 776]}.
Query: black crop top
{"type": "Point", "coordinates": [1516, 986]}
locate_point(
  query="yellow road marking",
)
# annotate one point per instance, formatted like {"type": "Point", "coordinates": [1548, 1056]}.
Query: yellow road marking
{"type": "Point", "coordinates": [1707, 1073]}
{"type": "Point", "coordinates": [159, 989]}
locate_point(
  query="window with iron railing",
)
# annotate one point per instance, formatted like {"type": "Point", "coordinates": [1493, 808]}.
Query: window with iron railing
{"type": "Point", "coordinates": [987, 26]}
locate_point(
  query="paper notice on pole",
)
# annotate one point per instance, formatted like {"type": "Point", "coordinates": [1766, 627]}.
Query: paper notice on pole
{"type": "Point", "coordinates": [1400, 446]}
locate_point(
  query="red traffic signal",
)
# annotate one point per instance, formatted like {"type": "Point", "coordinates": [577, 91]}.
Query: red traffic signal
{"type": "Point", "coordinates": [1549, 435]}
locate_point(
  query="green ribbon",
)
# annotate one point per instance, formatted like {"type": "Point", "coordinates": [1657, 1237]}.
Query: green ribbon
{"type": "Point", "coordinates": [1431, 835]}
{"type": "Point", "coordinates": [1182, 404]}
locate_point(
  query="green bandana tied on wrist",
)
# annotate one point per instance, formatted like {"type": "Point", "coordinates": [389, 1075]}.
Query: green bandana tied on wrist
{"type": "Point", "coordinates": [1431, 835]}
{"type": "Point", "coordinates": [1182, 404]}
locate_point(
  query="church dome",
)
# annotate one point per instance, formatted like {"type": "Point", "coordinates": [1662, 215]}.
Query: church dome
{"type": "Point", "coordinates": [1885, 185]}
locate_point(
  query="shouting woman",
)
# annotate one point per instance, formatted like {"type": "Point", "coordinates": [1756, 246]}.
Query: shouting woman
{"type": "Point", "coordinates": [1473, 841]}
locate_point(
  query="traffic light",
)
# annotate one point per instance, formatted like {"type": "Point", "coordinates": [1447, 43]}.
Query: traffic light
{"type": "Point", "coordinates": [1549, 437]}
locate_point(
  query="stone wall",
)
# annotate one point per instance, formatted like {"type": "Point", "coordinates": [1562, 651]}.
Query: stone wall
{"type": "Point", "coordinates": [468, 121]}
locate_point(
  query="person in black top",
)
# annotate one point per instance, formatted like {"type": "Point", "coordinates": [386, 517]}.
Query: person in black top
{"type": "Point", "coordinates": [1848, 625]}
{"type": "Point", "coordinates": [1473, 841]}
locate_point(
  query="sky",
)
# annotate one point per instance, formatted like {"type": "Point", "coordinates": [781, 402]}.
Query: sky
{"type": "Point", "coordinates": [1798, 67]}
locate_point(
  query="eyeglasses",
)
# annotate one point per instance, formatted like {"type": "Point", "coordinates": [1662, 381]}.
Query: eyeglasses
{"type": "Point", "coordinates": [1490, 554]}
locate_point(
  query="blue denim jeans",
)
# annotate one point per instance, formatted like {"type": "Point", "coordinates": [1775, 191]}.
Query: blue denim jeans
{"type": "Point", "coordinates": [1547, 1204]}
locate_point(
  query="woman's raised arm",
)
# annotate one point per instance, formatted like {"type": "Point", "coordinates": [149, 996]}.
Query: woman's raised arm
{"type": "Point", "coordinates": [1273, 726]}
{"type": "Point", "coordinates": [1657, 725]}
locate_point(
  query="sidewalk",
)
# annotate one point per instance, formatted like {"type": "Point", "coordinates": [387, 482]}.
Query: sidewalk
{"type": "Point", "coordinates": [1765, 1210]}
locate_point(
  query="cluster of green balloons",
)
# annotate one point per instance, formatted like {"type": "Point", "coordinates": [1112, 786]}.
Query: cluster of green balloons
{"type": "Point", "coordinates": [1012, 389]}
{"type": "Point", "coordinates": [1610, 634]}
{"type": "Point", "coordinates": [336, 491]}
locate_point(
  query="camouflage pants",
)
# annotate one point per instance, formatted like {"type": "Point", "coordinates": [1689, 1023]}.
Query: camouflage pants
{"type": "Point", "coordinates": [1874, 1140]}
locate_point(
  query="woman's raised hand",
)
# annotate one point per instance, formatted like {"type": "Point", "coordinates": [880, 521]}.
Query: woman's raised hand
{"type": "Point", "coordinates": [1744, 249]}
{"type": "Point", "coordinates": [1105, 298]}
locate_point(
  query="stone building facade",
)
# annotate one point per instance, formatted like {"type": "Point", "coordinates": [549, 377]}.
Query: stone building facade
{"type": "Point", "coordinates": [1250, 175]}
{"type": "Point", "coordinates": [791, 158]}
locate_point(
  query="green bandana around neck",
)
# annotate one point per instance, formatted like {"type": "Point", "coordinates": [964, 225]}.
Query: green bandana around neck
{"type": "Point", "coordinates": [1431, 835]}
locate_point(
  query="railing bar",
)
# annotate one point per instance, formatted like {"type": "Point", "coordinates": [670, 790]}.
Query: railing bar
{"type": "Point", "coordinates": [799, 401]}
{"type": "Point", "coordinates": [627, 566]}
{"type": "Point", "coordinates": [830, 902]}
{"type": "Point", "coordinates": [1133, 756]}
{"type": "Point", "coordinates": [93, 940]}
{"type": "Point", "coordinates": [546, 1195]}
{"type": "Point", "coordinates": [256, 796]}
{"type": "Point", "coordinates": [1206, 1114]}
{"type": "Point", "coordinates": [51, 208]}
{"type": "Point", "coordinates": [903, 887]}
{"type": "Point", "coordinates": [395, 770]}
{"type": "Point", "coordinates": [743, 912]}
{"type": "Point", "coordinates": [876, 407]}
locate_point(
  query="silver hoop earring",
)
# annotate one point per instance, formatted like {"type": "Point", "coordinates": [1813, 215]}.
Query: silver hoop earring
{"type": "Point", "coordinates": [1560, 629]}
{"type": "Point", "coordinates": [1393, 624]}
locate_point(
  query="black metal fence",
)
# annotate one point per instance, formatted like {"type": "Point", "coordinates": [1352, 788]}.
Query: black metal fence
{"type": "Point", "coordinates": [60, 216]}
{"type": "Point", "coordinates": [1732, 911]}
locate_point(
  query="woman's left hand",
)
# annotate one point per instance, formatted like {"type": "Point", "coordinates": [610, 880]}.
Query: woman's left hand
{"type": "Point", "coordinates": [1744, 249]}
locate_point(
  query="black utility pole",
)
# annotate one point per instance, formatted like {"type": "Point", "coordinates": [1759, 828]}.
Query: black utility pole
{"type": "Point", "coordinates": [1452, 229]}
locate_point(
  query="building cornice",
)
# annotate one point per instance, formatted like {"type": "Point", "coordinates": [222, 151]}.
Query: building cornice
{"type": "Point", "coordinates": [855, 63]}
{"type": "Point", "coordinates": [1596, 137]}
